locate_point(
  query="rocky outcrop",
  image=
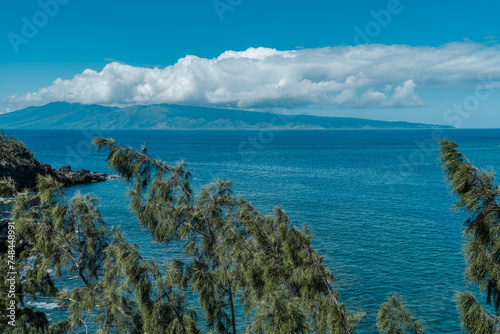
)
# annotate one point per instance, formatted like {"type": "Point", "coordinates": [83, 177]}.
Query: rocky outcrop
{"type": "Point", "coordinates": [24, 174]}
{"type": "Point", "coordinates": [17, 161]}
{"type": "Point", "coordinates": [70, 177]}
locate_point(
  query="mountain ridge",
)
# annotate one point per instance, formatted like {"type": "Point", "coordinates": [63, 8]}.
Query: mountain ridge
{"type": "Point", "coordinates": [62, 115]}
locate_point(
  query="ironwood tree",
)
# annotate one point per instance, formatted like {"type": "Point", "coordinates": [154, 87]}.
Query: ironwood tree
{"type": "Point", "coordinates": [394, 317]}
{"type": "Point", "coordinates": [478, 196]}
{"type": "Point", "coordinates": [236, 262]}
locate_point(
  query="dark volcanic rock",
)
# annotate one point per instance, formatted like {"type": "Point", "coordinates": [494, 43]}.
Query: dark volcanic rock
{"type": "Point", "coordinates": [24, 174]}
{"type": "Point", "coordinates": [70, 177]}
{"type": "Point", "coordinates": [17, 161]}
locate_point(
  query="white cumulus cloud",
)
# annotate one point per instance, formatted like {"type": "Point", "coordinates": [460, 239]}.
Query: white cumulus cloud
{"type": "Point", "coordinates": [347, 76]}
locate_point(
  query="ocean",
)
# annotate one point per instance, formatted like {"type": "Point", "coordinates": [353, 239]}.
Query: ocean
{"type": "Point", "coordinates": [376, 200]}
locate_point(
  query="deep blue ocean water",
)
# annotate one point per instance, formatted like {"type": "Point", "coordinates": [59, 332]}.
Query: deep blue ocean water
{"type": "Point", "coordinates": [376, 201]}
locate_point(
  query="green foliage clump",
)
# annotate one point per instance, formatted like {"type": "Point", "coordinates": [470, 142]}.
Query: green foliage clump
{"type": "Point", "coordinates": [232, 250]}
{"type": "Point", "coordinates": [28, 320]}
{"type": "Point", "coordinates": [13, 151]}
{"type": "Point", "coordinates": [114, 287]}
{"type": "Point", "coordinates": [478, 196]}
{"type": "Point", "coordinates": [395, 318]}
{"type": "Point", "coordinates": [235, 260]}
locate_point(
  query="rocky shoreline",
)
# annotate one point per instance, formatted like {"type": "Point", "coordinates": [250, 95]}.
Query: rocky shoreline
{"type": "Point", "coordinates": [24, 174]}
{"type": "Point", "coordinates": [18, 163]}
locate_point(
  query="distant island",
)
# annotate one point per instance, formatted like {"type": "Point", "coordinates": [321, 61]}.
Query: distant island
{"type": "Point", "coordinates": [61, 115]}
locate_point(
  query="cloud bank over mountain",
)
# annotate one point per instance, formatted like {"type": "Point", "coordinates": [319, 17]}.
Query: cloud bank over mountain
{"type": "Point", "coordinates": [374, 75]}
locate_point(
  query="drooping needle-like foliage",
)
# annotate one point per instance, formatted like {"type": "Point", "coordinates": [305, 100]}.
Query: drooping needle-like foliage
{"type": "Point", "coordinates": [478, 196]}
{"type": "Point", "coordinates": [235, 257]}
{"type": "Point", "coordinates": [239, 270]}
{"type": "Point", "coordinates": [112, 287]}
{"type": "Point", "coordinates": [394, 317]}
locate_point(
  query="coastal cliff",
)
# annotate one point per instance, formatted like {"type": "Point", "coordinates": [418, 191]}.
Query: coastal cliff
{"type": "Point", "coordinates": [18, 162]}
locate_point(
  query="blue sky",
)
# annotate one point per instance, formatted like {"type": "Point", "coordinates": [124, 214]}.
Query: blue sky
{"type": "Point", "coordinates": [78, 35]}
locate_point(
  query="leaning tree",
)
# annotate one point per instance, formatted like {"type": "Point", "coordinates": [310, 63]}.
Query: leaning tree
{"type": "Point", "coordinates": [479, 197]}
{"type": "Point", "coordinates": [240, 270]}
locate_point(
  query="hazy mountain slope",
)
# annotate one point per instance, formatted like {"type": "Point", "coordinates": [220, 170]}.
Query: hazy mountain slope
{"type": "Point", "coordinates": [61, 115]}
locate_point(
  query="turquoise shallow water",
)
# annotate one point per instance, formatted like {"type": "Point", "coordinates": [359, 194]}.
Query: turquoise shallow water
{"type": "Point", "coordinates": [376, 201]}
